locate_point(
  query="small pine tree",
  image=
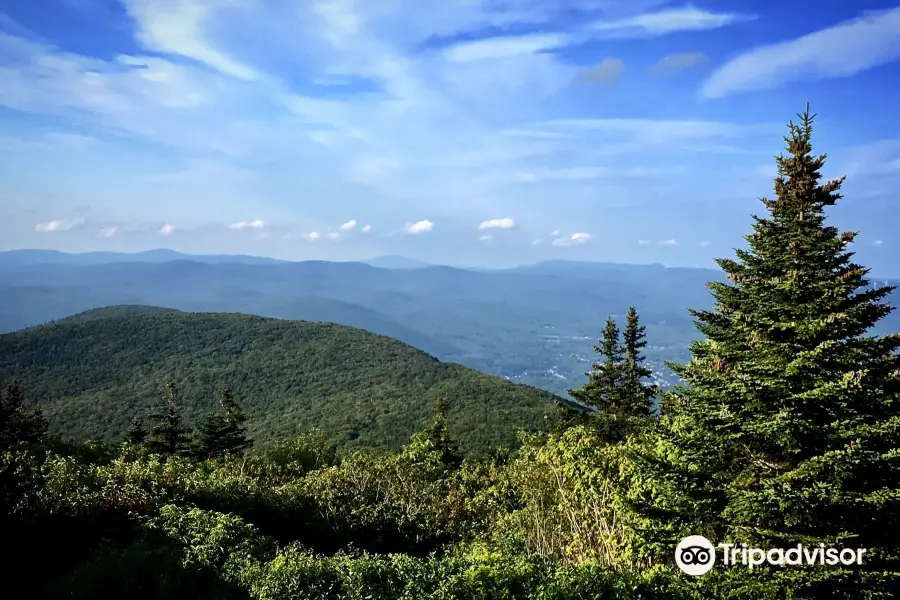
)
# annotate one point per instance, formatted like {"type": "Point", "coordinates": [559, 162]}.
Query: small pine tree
{"type": "Point", "coordinates": [168, 436]}
{"type": "Point", "coordinates": [137, 432]}
{"type": "Point", "coordinates": [603, 390]}
{"type": "Point", "coordinates": [19, 426]}
{"type": "Point", "coordinates": [435, 440]}
{"type": "Point", "coordinates": [222, 432]}
{"type": "Point", "coordinates": [787, 427]}
{"type": "Point", "coordinates": [638, 395]}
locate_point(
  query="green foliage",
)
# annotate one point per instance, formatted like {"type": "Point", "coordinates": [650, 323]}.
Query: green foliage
{"type": "Point", "coordinates": [572, 504]}
{"type": "Point", "coordinates": [93, 376]}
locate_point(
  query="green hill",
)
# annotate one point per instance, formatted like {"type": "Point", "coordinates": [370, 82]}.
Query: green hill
{"type": "Point", "coordinates": [93, 372]}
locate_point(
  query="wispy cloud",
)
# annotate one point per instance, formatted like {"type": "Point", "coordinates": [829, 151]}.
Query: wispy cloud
{"type": "Point", "coordinates": [58, 225]}
{"type": "Point", "coordinates": [703, 244]}
{"type": "Point", "coordinates": [419, 227]}
{"type": "Point", "coordinates": [108, 232]}
{"type": "Point", "coordinates": [504, 223]}
{"type": "Point", "coordinates": [667, 21]}
{"type": "Point", "coordinates": [504, 47]}
{"type": "Point", "coordinates": [366, 228]}
{"type": "Point", "coordinates": [877, 242]}
{"type": "Point", "coordinates": [839, 51]}
{"type": "Point", "coordinates": [180, 32]}
{"type": "Point", "coordinates": [313, 235]}
{"type": "Point", "coordinates": [674, 63]}
{"type": "Point", "coordinates": [485, 239]}
{"type": "Point", "coordinates": [166, 229]}
{"type": "Point", "coordinates": [574, 239]}
{"type": "Point", "coordinates": [643, 242]}
{"type": "Point", "coordinates": [667, 243]}
{"type": "Point", "coordinates": [607, 71]}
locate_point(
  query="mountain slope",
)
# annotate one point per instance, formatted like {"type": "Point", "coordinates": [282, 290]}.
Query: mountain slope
{"type": "Point", "coordinates": [94, 372]}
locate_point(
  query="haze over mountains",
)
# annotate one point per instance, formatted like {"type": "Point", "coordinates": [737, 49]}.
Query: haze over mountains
{"type": "Point", "coordinates": [534, 324]}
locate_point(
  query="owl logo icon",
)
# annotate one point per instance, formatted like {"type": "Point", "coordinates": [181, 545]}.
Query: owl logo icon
{"type": "Point", "coordinates": [695, 555]}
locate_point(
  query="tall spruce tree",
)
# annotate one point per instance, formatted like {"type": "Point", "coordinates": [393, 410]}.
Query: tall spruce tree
{"type": "Point", "coordinates": [223, 432]}
{"type": "Point", "coordinates": [168, 435]}
{"type": "Point", "coordinates": [603, 389]}
{"type": "Point", "coordinates": [787, 426]}
{"type": "Point", "coordinates": [637, 394]}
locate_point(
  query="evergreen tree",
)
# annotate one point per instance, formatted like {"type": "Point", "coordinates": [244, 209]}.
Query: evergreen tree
{"type": "Point", "coordinates": [603, 390]}
{"type": "Point", "coordinates": [637, 394]}
{"type": "Point", "coordinates": [168, 436]}
{"type": "Point", "coordinates": [435, 440]}
{"type": "Point", "coordinates": [786, 429]}
{"type": "Point", "coordinates": [222, 432]}
{"type": "Point", "coordinates": [19, 426]}
{"type": "Point", "coordinates": [137, 432]}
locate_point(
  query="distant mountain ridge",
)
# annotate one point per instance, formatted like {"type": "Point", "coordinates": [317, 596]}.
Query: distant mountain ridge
{"type": "Point", "coordinates": [21, 258]}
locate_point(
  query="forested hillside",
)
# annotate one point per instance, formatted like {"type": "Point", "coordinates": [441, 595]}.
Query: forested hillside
{"type": "Point", "coordinates": [95, 371]}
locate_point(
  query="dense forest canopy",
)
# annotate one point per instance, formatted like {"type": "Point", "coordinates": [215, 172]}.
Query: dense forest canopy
{"type": "Point", "coordinates": [94, 372]}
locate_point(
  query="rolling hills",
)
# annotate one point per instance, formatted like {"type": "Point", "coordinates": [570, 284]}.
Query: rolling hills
{"type": "Point", "coordinates": [93, 372]}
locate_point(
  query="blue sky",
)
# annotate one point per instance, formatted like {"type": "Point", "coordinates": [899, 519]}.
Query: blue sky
{"type": "Point", "coordinates": [479, 132]}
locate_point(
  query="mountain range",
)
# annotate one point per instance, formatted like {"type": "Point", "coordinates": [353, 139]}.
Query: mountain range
{"type": "Point", "coordinates": [534, 324]}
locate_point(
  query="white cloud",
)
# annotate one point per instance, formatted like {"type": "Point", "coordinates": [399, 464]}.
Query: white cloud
{"type": "Point", "coordinates": [108, 232]}
{"type": "Point", "coordinates": [333, 236]}
{"type": "Point", "coordinates": [572, 240]}
{"type": "Point", "coordinates": [554, 233]}
{"type": "Point", "coordinates": [704, 244]}
{"type": "Point", "coordinates": [485, 239]}
{"type": "Point", "coordinates": [643, 242]}
{"type": "Point", "coordinates": [839, 51]}
{"type": "Point", "coordinates": [674, 63]}
{"type": "Point", "coordinates": [504, 223]}
{"type": "Point", "coordinates": [255, 224]}
{"type": "Point", "coordinates": [877, 242]}
{"type": "Point", "coordinates": [607, 71]}
{"type": "Point", "coordinates": [537, 242]}
{"type": "Point", "coordinates": [504, 47]}
{"type": "Point", "coordinates": [667, 243]}
{"type": "Point", "coordinates": [314, 235]}
{"type": "Point", "coordinates": [58, 225]}
{"type": "Point", "coordinates": [348, 226]}
{"type": "Point", "coordinates": [366, 229]}
{"type": "Point", "coordinates": [166, 229]}
{"type": "Point", "coordinates": [419, 227]}
{"type": "Point", "coordinates": [667, 21]}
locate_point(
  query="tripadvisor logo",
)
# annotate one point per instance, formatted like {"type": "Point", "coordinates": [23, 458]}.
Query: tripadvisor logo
{"type": "Point", "coordinates": [696, 555]}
